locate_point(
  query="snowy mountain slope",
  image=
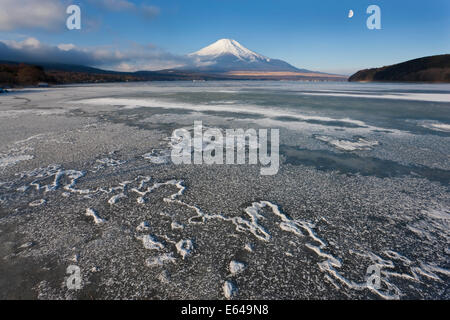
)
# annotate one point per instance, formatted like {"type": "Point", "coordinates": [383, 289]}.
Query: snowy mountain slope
{"type": "Point", "coordinates": [228, 46]}
{"type": "Point", "coordinates": [227, 55]}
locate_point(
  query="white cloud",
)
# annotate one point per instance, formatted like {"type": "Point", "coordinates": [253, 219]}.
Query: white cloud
{"type": "Point", "coordinates": [144, 10]}
{"type": "Point", "coordinates": [28, 43]}
{"type": "Point", "coordinates": [135, 57]}
{"type": "Point", "coordinates": [31, 14]}
{"type": "Point", "coordinates": [66, 46]}
{"type": "Point", "coordinates": [51, 15]}
{"type": "Point", "coordinates": [125, 67]}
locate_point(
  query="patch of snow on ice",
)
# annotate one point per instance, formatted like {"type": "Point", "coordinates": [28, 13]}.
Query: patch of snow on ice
{"type": "Point", "coordinates": [151, 243]}
{"type": "Point", "coordinates": [158, 156]}
{"type": "Point", "coordinates": [92, 213]}
{"type": "Point", "coordinates": [185, 248]}
{"type": "Point", "coordinates": [348, 145]}
{"type": "Point", "coordinates": [143, 226]}
{"type": "Point", "coordinates": [175, 225]}
{"type": "Point", "coordinates": [116, 198]}
{"type": "Point", "coordinates": [12, 160]}
{"type": "Point", "coordinates": [229, 290]}
{"type": "Point", "coordinates": [160, 260]}
{"type": "Point", "coordinates": [236, 267]}
{"type": "Point", "coordinates": [37, 203]}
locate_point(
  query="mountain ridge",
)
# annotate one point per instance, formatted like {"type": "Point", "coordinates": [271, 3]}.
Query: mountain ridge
{"type": "Point", "coordinates": [426, 69]}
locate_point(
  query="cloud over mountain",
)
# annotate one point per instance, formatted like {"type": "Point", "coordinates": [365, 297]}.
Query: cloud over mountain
{"type": "Point", "coordinates": [135, 57]}
{"type": "Point", "coordinates": [222, 56]}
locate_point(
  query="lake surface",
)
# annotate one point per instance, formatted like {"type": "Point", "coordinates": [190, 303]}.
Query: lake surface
{"type": "Point", "coordinates": [86, 179]}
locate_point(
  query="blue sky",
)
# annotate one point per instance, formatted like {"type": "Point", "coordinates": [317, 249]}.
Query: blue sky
{"type": "Point", "coordinates": [316, 35]}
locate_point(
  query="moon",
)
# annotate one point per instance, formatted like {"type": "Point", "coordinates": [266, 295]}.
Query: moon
{"type": "Point", "coordinates": [350, 14]}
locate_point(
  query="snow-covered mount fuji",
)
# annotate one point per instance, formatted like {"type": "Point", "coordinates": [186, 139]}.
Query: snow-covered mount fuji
{"type": "Point", "coordinates": [228, 56]}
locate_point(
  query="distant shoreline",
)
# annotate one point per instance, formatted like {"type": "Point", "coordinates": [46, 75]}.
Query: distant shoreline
{"type": "Point", "coordinates": [14, 74]}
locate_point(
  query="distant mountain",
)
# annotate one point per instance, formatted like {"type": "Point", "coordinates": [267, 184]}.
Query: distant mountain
{"type": "Point", "coordinates": [14, 74]}
{"type": "Point", "coordinates": [60, 67]}
{"type": "Point", "coordinates": [227, 55]}
{"type": "Point", "coordinates": [223, 60]}
{"type": "Point", "coordinates": [73, 68]}
{"type": "Point", "coordinates": [427, 69]}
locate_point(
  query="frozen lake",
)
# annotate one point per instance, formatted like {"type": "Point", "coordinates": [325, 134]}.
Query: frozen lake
{"type": "Point", "coordinates": [86, 180]}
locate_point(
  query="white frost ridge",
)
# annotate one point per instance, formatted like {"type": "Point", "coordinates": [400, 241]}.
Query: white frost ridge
{"type": "Point", "coordinates": [91, 213]}
{"type": "Point", "coordinates": [151, 243]}
{"type": "Point", "coordinates": [185, 247]}
{"type": "Point", "coordinates": [437, 126]}
{"type": "Point", "coordinates": [37, 203]}
{"type": "Point", "coordinates": [348, 145]}
{"type": "Point", "coordinates": [12, 160]}
{"type": "Point", "coordinates": [143, 226]}
{"type": "Point", "coordinates": [236, 267]}
{"type": "Point", "coordinates": [160, 260]}
{"type": "Point", "coordinates": [229, 290]}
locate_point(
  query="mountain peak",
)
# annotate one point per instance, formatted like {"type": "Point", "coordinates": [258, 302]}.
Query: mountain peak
{"type": "Point", "coordinates": [228, 55]}
{"type": "Point", "coordinates": [228, 47]}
